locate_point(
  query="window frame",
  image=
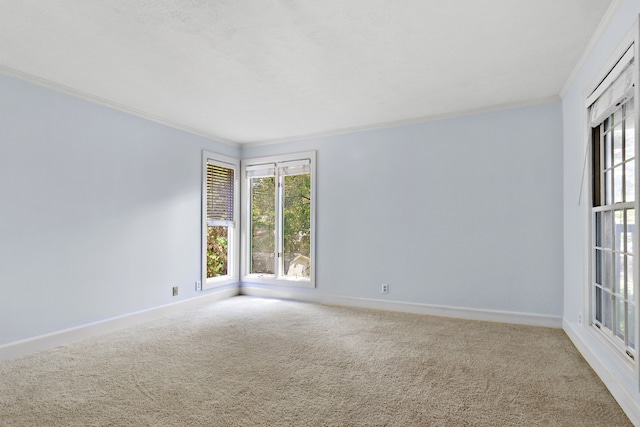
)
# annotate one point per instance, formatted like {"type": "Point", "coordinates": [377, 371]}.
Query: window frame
{"type": "Point", "coordinates": [233, 252]}
{"type": "Point", "coordinates": [616, 352]}
{"type": "Point", "coordinates": [277, 278]}
{"type": "Point", "coordinates": [610, 245]}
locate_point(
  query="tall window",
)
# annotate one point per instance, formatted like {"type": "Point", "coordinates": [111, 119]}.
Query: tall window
{"type": "Point", "coordinates": [279, 218]}
{"type": "Point", "coordinates": [220, 235]}
{"type": "Point", "coordinates": [614, 252]}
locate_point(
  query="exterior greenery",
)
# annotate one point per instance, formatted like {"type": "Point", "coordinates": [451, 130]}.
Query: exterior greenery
{"type": "Point", "coordinates": [297, 219]}
{"type": "Point", "coordinates": [217, 251]}
{"type": "Point", "coordinates": [262, 224]}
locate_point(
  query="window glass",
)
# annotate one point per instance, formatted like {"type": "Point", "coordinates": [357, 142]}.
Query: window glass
{"type": "Point", "coordinates": [631, 315]}
{"type": "Point", "coordinates": [263, 223]}
{"type": "Point", "coordinates": [607, 150]}
{"type": "Point", "coordinates": [617, 184]}
{"type": "Point", "coordinates": [617, 144]}
{"type": "Point", "coordinates": [217, 251]}
{"type": "Point", "coordinates": [631, 221]}
{"type": "Point", "coordinates": [297, 225]}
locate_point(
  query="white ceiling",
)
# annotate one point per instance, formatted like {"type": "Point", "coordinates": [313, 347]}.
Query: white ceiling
{"type": "Point", "coordinates": [261, 70]}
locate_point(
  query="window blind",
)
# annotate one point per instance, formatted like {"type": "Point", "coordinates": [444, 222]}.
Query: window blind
{"type": "Point", "coordinates": [261, 171]}
{"type": "Point", "coordinates": [220, 194]}
{"type": "Point", "coordinates": [614, 90]}
{"type": "Point", "coordinates": [297, 167]}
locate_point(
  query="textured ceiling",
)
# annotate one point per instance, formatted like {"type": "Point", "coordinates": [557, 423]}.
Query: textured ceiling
{"type": "Point", "coordinates": [261, 70]}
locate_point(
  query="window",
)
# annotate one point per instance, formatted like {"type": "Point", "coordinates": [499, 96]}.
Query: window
{"type": "Point", "coordinates": [279, 220]}
{"type": "Point", "coordinates": [219, 226]}
{"type": "Point", "coordinates": [614, 257]}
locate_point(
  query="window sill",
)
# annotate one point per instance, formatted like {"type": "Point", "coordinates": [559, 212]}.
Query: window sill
{"type": "Point", "coordinates": [218, 282]}
{"type": "Point", "coordinates": [615, 352]}
{"type": "Point", "coordinates": [279, 281]}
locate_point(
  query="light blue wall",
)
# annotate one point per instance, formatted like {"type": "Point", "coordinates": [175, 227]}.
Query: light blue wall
{"type": "Point", "coordinates": [465, 212]}
{"type": "Point", "coordinates": [101, 211]}
{"type": "Point", "coordinates": [99, 214]}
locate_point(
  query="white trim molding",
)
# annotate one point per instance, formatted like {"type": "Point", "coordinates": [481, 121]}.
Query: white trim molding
{"type": "Point", "coordinates": [600, 29]}
{"type": "Point", "coordinates": [30, 78]}
{"type": "Point", "coordinates": [67, 336]}
{"type": "Point", "coordinates": [621, 387]}
{"type": "Point", "coordinates": [498, 316]}
{"type": "Point", "coordinates": [407, 122]}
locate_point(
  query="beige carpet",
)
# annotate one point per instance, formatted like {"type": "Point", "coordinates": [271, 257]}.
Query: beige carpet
{"type": "Point", "coordinates": [248, 361]}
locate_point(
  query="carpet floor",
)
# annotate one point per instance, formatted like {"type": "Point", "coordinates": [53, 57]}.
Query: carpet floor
{"type": "Point", "coordinates": [261, 362]}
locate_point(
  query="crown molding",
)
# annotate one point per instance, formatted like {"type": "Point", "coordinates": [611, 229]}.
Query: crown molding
{"type": "Point", "coordinates": [417, 120]}
{"type": "Point", "coordinates": [30, 78]}
{"type": "Point", "coordinates": [600, 29]}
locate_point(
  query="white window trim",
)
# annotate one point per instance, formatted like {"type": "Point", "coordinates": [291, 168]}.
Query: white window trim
{"type": "Point", "coordinates": [630, 368]}
{"type": "Point", "coordinates": [264, 279]}
{"type": "Point", "coordinates": [233, 261]}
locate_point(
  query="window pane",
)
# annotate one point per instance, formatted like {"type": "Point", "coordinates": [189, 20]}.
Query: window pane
{"type": "Point", "coordinates": [630, 135]}
{"type": "Point", "coordinates": [618, 231]}
{"type": "Point", "coordinates": [262, 224]}
{"type": "Point", "coordinates": [630, 182]}
{"type": "Point", "coordinates": [607, 150]}
{"type": "Point", "coordinates": [631, 225]}
{"type": "Point", "coordinates": [617, 144]}
{"type": "Point", "coordinates": [618, 281]}
{"type": "Point", "coordinates": [607, 231]}
{"type": "Point", "coordinates": [297, 225]}
{"type": "Point", "coordinates": [598, 266]}
{"type": "Point", "coordinates": [630, 279]}
{"type": "Point", "coordinates": [631, 312]}
{"type": "Point", "coordinates": [607, 269]}
{"type": "Point", "coordinates": [598, 229]}
{"type": "Point", "coordinates": [608, 199]}
{"type": "Point", "coordinates": [617, 184]}
{"type": "Point", "coordinates": [607, 314]}
{"type": "Point", "coordinates": [598, 304]}
{"type": "Point", "coordinates": [617, 116]}
{"type": "Point", "coordinates": [217, 251]}
{"type": "Point", "coordinates": [620, 318]}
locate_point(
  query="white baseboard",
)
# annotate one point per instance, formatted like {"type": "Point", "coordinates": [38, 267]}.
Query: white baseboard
{"type": "Point", "coordinates": [623, 388]}
{"type": "Point", "coordinates": [408, 307]}
{"type": "Point", "coordinates": [67, 336]}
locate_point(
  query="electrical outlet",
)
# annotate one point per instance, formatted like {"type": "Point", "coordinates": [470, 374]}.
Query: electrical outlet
{"type": "Point", "coordinates": [385, 288]}
{"type": "Point", "coordinates": [580, 318]}
{"type": "Point", "coordinates": [175, 291]}
{"type": "Point", "coordinates": [198, 285]}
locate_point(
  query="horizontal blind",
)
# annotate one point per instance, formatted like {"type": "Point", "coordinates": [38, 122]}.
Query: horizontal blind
{"type": "Point", "coordinates": [220, 194]}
